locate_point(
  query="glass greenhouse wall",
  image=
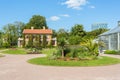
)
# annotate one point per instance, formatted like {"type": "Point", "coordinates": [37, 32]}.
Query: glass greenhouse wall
{"type": "Point", "coordinates": [105, 39]}
{"type": "Point", "coordinates": [111, 39]}
{"type": "Point", "coordinates": [113, 42]}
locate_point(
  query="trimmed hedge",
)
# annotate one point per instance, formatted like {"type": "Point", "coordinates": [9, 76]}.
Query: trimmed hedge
{"type": "Point", "coordinates": [111, 52]}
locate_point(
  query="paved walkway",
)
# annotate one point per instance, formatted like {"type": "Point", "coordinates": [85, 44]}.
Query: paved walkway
{"type": "Point", "coordinates": [15, 67]}
{"type": "Point", "coordinates": [114, 56]}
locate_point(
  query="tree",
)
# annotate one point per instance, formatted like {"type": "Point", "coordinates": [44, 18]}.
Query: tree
{"type": "Point", "coordinates": [61, 44]}
{"type": "Point", "coordinates": [62, 34]}
{"type": "Point", "coordinates": [62, 37]}
{"type": "Point", "coordinates": [96, 32]}
{"type": "Point", "coordinates": [37, 21]}
{"type": "Point", "coordinates": [11, 34]}
{"type": "Point", "coordinates": [78, 30]}
{"type": "Point", "coordinates": [54, 33]}
{"type": "Point", "coordinates": [20, 26]}
{"type": "Point", "coordinates": [1, 40]}
{"type": "Point", "coordinates": [76, 34]}
{"type": "Point", "coordinates": [74, 40]}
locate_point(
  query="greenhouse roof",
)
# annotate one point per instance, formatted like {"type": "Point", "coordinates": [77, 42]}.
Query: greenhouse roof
{"type": "Point", "coordinates": [112, 31]}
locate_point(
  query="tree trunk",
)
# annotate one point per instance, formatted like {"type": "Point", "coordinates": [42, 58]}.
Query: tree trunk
{"type": "Point", "coordinates": [62, 53]}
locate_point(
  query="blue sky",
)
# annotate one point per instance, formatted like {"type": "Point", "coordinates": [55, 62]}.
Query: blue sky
{"type": "Point", "coordinates": [61, 13]}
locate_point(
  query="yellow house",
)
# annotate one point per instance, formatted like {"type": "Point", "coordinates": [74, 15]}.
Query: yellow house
{"type": "Point", "coordinates": [37, 36]}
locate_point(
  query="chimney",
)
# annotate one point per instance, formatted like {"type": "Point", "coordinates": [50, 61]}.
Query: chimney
{"type": "Point", "coordinates": [43, 27]}
{"type": "Point", "coordinates": [32, 28]}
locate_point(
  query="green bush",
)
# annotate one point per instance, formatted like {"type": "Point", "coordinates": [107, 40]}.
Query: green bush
{"type": "Point", "coordinates": [69, 55]}
{"type": "Point", "coordinates": [110, 52]}
{"type": "Point", "coordinates": [71, 52]}
{"type": "Point", "coordinates": [86, 56]}
{"type": "Point", "coordinates": [54, 55]}
{"type": "Point", "coordinates": [74, 52]}
{"type": "Point", "coordinates": [6, 45]}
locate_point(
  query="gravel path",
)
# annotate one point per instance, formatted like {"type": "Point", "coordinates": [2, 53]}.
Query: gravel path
{"type": "Point", "coordinates": [15, 67]}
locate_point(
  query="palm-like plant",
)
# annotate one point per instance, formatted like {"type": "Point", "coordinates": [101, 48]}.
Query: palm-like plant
{"type": "Point", "coordinates": [91, 46]}
{"type": "Point", "coordinates": [61, 44]}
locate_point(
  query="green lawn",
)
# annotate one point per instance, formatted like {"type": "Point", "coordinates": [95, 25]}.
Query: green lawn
{"type": "Point", "coordinates": [98, 62]}
{"type": "Point", "coordinates": [24, 51]}
{"type": "Point", "coordinates": [49, 51]}
{"type": "Point", "coordinates": [15, 51]}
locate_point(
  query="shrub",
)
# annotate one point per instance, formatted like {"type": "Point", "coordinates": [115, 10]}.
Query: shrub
{"type": "Point", "coordinates": [6, 45]}
{"type": "Point", "coordinates": [86, 56]}
{"type": "Point", "coordinates": [69, 55]}
{"type": "Point", "coordinates": [34, 51]}
{"type": "Point", "coordinates": [110, 52]}
{"type": "Point", "coordinates": [71, 52]}
{"type": "Point", "coordinates": [55, 55]}
{"type": "Point", "coordinates": [74, 53]}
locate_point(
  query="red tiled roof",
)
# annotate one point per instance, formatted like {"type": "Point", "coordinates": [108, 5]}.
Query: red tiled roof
{"type": "Point", "coordinates": [37, 31]}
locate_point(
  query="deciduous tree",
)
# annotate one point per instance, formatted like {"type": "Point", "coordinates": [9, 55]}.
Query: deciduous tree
{"type": "Point", "coordinates": [37, 21]}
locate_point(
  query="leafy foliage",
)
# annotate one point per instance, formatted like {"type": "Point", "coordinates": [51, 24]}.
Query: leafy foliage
{"type": "Point", "coordinates": [62, 34]}
{"type": "Point", "coordinates": [44, 44]}
{"type": "Point", "coordinates": [95, 33]}
{"type": "Point", "coordinates": [78, 30]}
{"type": "Point", "coordinates": [61, 44]}
{"type": "Point", "coordinates": [111, 52]}
{"type": "Point", "coordinates": [91, 46]}
{"type": "Point", "coordinates": [74, 40]}
{"type": "Point", "coordinates": [37, 21]}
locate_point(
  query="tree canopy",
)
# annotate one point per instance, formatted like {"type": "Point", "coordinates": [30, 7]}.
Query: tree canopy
{"type": "Point", "coordinates": [11, 32]}
{"type": "Point", "coordinates": [78, 30]}
{"type": "Point", "coordinates": [37, 21]}
{"type": "Point", "coordinates": [96, 32]}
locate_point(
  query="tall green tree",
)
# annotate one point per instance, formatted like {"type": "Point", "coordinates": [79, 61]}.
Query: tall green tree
{"type": "Point", "coordinates": [37, 21]}
{"type": "Point", "coordinates": [1, 38]}
{"type": "Point", "coordinates": [61, 44]}
{"type": "Point", "coordinates": [62, 34]}
{"type": "Point", "coordinates": [54, 33]}
{"type": "Point", "coordinates": [96, 33]}
{"type": "Point", "coordinates": [78, 30]}
{"type": "Point", "coordinates": [20, 27]}
{"type": "Point", "coordinates": [74, 40]}
{"type": "Point", "coordinates": [76, 34]}
{"type": "Point", "coordinates": [11, 34]}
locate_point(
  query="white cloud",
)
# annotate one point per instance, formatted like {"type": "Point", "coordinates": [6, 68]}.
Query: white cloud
{"type": "Point", "coordinates": [92, 7]}
{"type": "Point", "coordinates": [54, 18]}
{"type": "Point", "coordinates": [65, 15]}
{"type": "Point", "coordinates": [75, 4]}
